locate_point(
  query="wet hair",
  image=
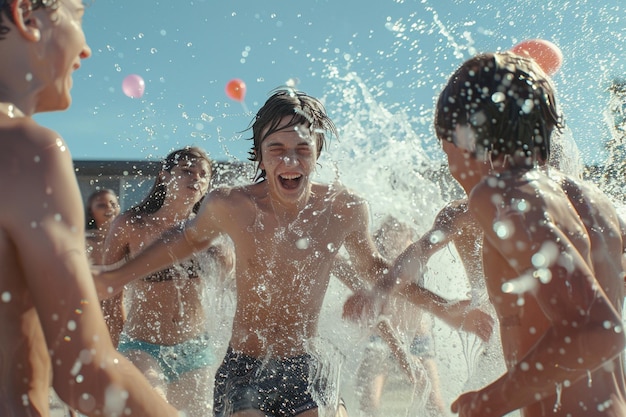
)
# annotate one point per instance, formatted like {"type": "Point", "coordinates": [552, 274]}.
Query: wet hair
{"type": "Point", "coordinates": [6, 10]}
{"type": "Point", "coordinates": [303, 108]}
{"type": "Point", "coordinates": [507, 99]}
{"type": "Point", "coordinates": [156, 197]}
{"type": "Point", "coordinates": [89, 217]}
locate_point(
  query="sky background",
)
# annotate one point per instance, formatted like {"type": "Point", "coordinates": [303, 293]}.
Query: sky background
{"type": "Point", "coordinates": [389, 58]}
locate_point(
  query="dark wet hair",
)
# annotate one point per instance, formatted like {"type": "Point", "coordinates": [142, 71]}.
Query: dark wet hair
{"type": "Point", "coordinates": [89, 218]}
{"type": "Point", "coordinates": [156, 197]}
{"type": "Point", "coordinates": [507, 99]}
{"type": "Point", "coordinates": [6, 10]}
{"type": "Point", "coordinates": [303, 108]}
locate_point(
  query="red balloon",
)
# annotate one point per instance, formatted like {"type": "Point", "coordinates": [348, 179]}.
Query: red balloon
{"type": "Point", "coordinates": [236, 89]}
{"type": "Point", "coordinates": [545, 53]}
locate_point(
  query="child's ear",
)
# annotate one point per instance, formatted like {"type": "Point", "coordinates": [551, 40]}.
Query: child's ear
{"type": "Point", "coordinates": [25, 22]}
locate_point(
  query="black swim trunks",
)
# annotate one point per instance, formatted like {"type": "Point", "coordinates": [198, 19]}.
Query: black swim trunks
{"type": "Point", "coordinates": [277, 387]}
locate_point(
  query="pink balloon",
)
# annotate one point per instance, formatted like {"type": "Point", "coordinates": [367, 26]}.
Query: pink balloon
{"type": "Point", "coordinates": [133, 86]}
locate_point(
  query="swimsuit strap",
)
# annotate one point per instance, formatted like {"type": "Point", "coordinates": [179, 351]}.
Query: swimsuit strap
{"type": "Point", "coordinates": [190, 268]}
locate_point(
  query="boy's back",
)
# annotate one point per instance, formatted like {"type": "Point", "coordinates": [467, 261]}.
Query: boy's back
{"type": "Point", "coordinates": [551, 220]}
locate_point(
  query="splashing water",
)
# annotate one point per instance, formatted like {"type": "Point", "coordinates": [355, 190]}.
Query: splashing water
{"type": "Point", "coordinates": [388, 154]}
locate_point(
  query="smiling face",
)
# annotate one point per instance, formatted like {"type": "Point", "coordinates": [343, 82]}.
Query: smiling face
{"type": "Point", "coordinates": [104, 208]}
{"type": "Point", "coordinates": [63, 46]}
{"type": "Point", "coordinates": [288, 158]}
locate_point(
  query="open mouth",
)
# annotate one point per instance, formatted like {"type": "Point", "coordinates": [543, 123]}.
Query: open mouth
{"type": "Point", "coordinates": [290, 181]}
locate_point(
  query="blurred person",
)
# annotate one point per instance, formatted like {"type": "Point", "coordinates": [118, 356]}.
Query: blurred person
{"type": "Point", "coordinates": [52, 326]}
{"type": "Point", "coordinates": [101, 208]}
{"type": "Point", "coordinates": [401, 340]}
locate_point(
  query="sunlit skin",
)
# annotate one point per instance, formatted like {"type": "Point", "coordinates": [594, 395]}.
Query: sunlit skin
{"type": "Point", "coordinates": [169, 312]}
{"type": "Point", "coordinates": [52, 327]}
{"type": "Point", "coordinates": [559, 328]}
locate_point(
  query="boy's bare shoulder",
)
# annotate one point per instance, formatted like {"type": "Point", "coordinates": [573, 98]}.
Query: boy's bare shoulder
{"type": "Point", "coordinates": [32, 156]}
{"type": "Point", "coordinates": [30, 150]}
{"type": "Point", "coordinates": [24, 134]}
{"type": "Point", "coordinates": [231, 195]}
{"type": "Point", "coordinates": [337, 193]}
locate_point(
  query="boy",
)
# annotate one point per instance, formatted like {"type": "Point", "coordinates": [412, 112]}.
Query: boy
{"type": "Point", "coordinates": [552, 245]}
{"type": "Point", "coordinates": [52, 327]}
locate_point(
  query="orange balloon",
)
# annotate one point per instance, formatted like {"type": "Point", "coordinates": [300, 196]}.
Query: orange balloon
{"type": "Point", "coordinates": [545, 53]}
{"type": "Point", "coordinates": [236, 89]}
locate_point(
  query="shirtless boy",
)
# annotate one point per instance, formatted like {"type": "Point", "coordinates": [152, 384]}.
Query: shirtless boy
{"type": "Point", "coordinates": [286, 230]}
{"type": "Point", "coordinates": [52, 327]}
{"type": "Point", "coordinates": [552, 246]}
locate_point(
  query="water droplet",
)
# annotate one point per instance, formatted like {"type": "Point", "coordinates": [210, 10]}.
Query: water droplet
{"type": "Point", "coordinates": [436, 236]}
{"type": "Point", "coordinates": [61, 145]}
{"type": "Point", "coordinates": [6, 297]}
{"type": "Point", "coordinates": [71, 325]}
{"type": "Point", "coordinates": [528, 105]}
{"type": "Point", "coordinates": [503, 229]}
{"type": "Point", "coordinates": [87, 402]}
{"type": "Point", "coordinates": [302, 243]}
{"type": "Point", "coordinates": [498, 97]}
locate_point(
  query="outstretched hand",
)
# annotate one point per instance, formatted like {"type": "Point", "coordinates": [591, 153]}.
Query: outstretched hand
{"type": "Point", "coordinates": [477, 404]}
{"type": "Point", "coordinates": [362, 306]}
{"type": "Point", "coordinates": [462, 316]}
{"type": "Point", "coordinates": [478, 322]}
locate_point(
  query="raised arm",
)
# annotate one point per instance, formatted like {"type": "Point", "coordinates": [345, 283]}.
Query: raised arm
{"type": "Point", "coordinates": [173, 246]}
{"type": "Point", "coordinates": [48, 232]}
{"type": "Point", "coordinates": [410, 264]}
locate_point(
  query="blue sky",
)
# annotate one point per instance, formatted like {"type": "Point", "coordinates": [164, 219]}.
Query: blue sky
{"type": "Point", "coordinates": [399, 53]}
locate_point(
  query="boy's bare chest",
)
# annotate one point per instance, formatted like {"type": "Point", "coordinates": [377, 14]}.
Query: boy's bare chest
{"type": "Point", "coordinates": [315, 234]}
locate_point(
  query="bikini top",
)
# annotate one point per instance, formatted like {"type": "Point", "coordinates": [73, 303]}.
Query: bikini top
{"type": "Point", "coordinates": [190, 268]}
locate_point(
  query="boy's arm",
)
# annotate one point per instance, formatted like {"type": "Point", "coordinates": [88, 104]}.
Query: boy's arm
{"type": "Point", "coordinates": [48, 233]}
{"type": "Point", "coordinates": [345, 272]}
{"type": "Point", "coordinates": [173, 246]}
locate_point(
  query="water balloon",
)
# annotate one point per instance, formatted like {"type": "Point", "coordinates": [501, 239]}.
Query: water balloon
{"type": "Point", "coordinates": [236, 89]}
{"type": "Point", "coordinates": [133, 86]}
{"type": "Point", "coordinates": [545, 53]}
